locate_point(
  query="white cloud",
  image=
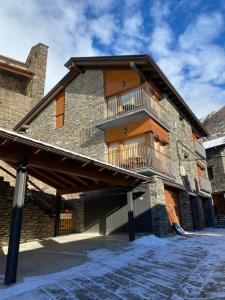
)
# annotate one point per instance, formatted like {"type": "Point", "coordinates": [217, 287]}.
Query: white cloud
{"type": "Point", "coordinates": [64, 28]}
{"type": "Point", "coordinates": [104, 28]}
{"type": "Point", "coordinates": [160, 9]}
{"type": "Point", "coordinates": [161, 40]}
{"type": "Point", "coordinates": [202, 32]}
{"type": "Point", "coordinates": [192, 61]}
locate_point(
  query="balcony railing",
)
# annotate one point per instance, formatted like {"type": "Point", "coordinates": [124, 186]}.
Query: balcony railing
{"type": "Point", "coordinates": [129, 102]}
{"type": "Point", "coordinates": [141, 156]}
{"type": "Point", "coordinates": [199, 149]}
{"type": "Point", "coordinates": [204, 184]}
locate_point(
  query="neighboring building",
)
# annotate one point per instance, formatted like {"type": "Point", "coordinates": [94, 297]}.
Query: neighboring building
{"type": "Point", "coordinates": [215, 150]}
{"type": "Point", "coordinates": [123, 110]}
{"type": "Point", "coordinates": [21, 85]}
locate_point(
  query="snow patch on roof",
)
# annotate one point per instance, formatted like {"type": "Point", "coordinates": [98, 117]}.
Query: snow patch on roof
{"type": "Point", "coordinates": [214, 143]}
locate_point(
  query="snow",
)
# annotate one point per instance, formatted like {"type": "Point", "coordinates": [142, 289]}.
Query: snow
{"type": "Point", "coordinates": [75, 154]}
{"type": "Point", "coordinates": [195, 262]}
{"type": "Point", "coordinates": [150, 241]}
{"type": "Point", "coordinates": [214, 143]}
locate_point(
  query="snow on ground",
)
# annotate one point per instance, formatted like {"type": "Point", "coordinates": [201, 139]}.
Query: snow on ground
{"type": "Point", "coordinates": [148, 268]}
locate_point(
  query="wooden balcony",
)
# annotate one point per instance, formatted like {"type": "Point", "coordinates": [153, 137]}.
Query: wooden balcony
{"type": "Point", "coordinates": [199, 149]}
{"type": "Point", "coordinates": [129, 107]}
{"type": "Point", "coordinates": [142, 159]}
{"type": "Point", "coordinates": [204, 184]}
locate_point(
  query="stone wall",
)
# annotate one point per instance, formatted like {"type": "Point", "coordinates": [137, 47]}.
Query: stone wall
{"type": "Point", "coordinates": [181, 147]}
{"type": "Point", "coordinates": [158, 208]}
{"type": "Point", "coordinates": [36, 224]}
{"type": "Point", "coordinates": [216, 160]}
{"type": "Point", "coordinates": [13, 107]}
{"type": "Point", "coordinates": [80, 95]}
{"type": "Point", "coordinates": [19, 94]}
{"type": "Point", "coordinates": [37, 63]}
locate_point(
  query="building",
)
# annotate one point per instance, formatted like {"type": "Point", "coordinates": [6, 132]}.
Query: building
{"type": "Point", "coordinates": [215, 151]}
{"type": "Point", "coordinates": [21, 85]}
{"type": "Point", "coordinates": [122, 110]}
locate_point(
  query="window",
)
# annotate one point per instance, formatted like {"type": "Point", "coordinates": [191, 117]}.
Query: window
{"type": "Point", "coordinates": [201, 171]}
{"type": "Point", "coordinates": [159, 147]}
{"type": "Point", "coordinates": [210, 173]}
{"type": "Point", "coordinates": [59, 110]}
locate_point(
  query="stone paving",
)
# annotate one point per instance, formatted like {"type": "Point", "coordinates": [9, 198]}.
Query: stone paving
{"type": "Point", "coordinates": [184, 268]}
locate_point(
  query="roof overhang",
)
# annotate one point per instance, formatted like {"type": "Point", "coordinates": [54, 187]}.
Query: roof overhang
{"type": "Point", "coordinates": [219, 142]}
{"type": "Point", "coordinates": [66, 171]}
{"type": "Point", "coordinates": [144, 63]}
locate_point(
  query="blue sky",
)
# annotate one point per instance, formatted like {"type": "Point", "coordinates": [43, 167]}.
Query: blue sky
{"type": "Point", "coordinates": [185, 37]}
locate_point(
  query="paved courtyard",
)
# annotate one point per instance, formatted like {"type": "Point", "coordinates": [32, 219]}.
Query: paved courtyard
{"type": "Point", "coordinates": [112, 268]}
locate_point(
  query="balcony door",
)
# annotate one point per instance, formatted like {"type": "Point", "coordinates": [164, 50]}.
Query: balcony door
{"type": "Point", "coordinates": [134, 152]}
{"type": "Point", "coordinates": [113, 154]}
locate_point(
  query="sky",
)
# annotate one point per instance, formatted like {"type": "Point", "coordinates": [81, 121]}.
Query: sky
{"type": "Point", "coordinates": [185, 37]}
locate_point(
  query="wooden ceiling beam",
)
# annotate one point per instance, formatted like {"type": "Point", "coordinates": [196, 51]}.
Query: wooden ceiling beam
{"type": "Point", "coordinates": [89, 188]}
{"type": "Point", "coordinates": [44, 178]}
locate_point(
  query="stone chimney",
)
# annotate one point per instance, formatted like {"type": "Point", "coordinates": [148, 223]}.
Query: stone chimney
{"type": "Point", "coordinates": [37, 63]}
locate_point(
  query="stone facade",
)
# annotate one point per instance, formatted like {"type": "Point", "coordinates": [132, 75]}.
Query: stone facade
{"type": "Point", "coordinates": [79, 135]}
{"type": "Point", "coordinates": [18, 93]}
{"type": "Point", "coordinates": [80, 95]}
{"type": "Point", "coordinates": [216, 160]}
{"type": "Point", "coordinates": [36, 224]}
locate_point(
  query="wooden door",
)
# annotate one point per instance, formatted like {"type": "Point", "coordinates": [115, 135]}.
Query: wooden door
{"type": "Point", "coordinates": [67, 220]}
{"type": "Point", "coordinates": [172, 201]}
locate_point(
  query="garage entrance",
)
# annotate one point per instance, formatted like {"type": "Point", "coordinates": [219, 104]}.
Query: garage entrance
{"type": "Point", "coordinates": [106, 212]}
{"type": "Point", "coordinates": [173, 207]}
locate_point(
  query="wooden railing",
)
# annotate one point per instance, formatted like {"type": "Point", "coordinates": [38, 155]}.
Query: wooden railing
{"type": "Point", "coordinates": [139, 157]}
{"type": "Point", "coordinates": [128, 102]}
{"type": "Point", "coordinates": [199, 149]}
{"type": "Point", "coordinates": [204, 184]}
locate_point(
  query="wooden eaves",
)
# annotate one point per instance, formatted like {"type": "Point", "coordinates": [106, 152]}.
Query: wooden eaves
{"type": "Point", "coordinates": [16, 70]}
{"type": "Point", "coordinates": [66, 171]}
{"type": "Point", "coordinates": [144, 63]}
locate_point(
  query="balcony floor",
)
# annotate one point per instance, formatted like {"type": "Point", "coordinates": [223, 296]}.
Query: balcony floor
{"type": "Point", "coordinates": [128, 117]}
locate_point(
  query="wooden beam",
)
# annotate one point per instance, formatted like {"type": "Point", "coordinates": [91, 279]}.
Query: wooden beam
{"type": "Point", "coordinates": [89, 188]}
{"type": "Point", "coordinates": [80, 180]}
{"type": "Point", "coordinates": [64, 178]}
{"type": "Point", "coordinates": [50, 161]}
{"type": "Point", "coordinates": [43, 176]}
{"type": "Point", "coordinates": [15, 70]}
{"type": "Point", "coordinates": [88, 173]}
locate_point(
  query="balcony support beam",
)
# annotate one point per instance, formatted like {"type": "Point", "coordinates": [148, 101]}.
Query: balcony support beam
{"type": "Point", "coordinates": [137, 70]}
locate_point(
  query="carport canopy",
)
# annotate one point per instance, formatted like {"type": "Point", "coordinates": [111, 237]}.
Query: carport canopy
{"type": "Point", "coordinates": [66, 171]}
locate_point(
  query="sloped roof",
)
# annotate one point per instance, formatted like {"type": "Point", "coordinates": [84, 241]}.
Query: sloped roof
{"type": "Point", "coordinates": [144, 63]}
{"type": "Point", "coordinates": [214, 143]}
{"type": "Point", "coordinates": [215, 124]}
